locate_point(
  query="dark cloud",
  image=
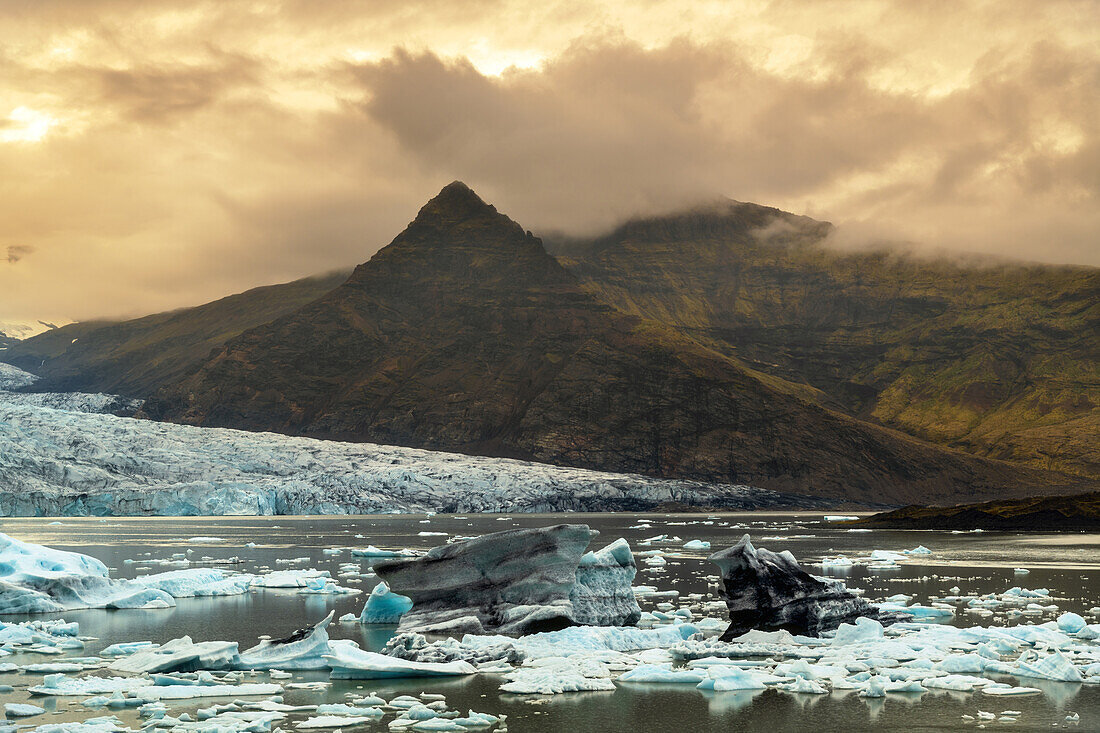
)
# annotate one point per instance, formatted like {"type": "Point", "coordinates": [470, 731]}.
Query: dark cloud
{"type": "Point", "coordinates": [17, 252]}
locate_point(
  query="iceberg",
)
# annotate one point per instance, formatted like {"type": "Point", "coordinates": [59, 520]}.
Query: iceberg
{"type": "Point", "coordinates": [384, 606]}
{"type": "Point", "coordinates": [602, 594]}
{"type": "Point", "coordinates": [304, 649]}
{"type": "Point", "coordinates": [514, 582]}
{"type": "Point", "coordinates": [768, 590]}
{"type": "Point", "coordinates": [38, 579]}
{"type": "Point", "coordinates": [180, 655]}
{"type": "Point", "coordinates": [348, 662]}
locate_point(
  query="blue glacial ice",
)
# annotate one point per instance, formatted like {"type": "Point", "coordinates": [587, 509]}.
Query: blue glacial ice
{"type": "Point", "coordinates": [383, 606]}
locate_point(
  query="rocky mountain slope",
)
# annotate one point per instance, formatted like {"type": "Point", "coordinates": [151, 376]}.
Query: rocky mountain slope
{"type": "Point", "coordinates": [997, 359]}
{"type": "Point", "coordinates": [464, 334]}
{"type": "Point", "coordinates": [136, 357]}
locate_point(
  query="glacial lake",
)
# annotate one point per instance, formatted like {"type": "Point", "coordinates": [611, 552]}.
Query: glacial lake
{"type": "Point", "coordinates": [977, 563]}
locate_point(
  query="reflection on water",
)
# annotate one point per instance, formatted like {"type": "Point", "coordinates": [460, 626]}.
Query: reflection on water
{"type": "Point", "coordinates": [1069, 565]}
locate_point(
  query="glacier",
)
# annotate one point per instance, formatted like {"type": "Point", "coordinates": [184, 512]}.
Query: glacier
{"type": "Point", "coordinates": [65, 455]}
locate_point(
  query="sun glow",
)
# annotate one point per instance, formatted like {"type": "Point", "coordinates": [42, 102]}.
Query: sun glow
{"type": "Point", "coordinates": [26, 125]}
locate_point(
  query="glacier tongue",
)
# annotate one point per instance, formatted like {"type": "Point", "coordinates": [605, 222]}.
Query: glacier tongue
{"type": "Point", "coordinates": [60, 456]}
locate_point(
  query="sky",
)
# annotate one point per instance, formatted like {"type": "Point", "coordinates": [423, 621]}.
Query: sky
{"type": "Point", "coordinates": [162, 153]}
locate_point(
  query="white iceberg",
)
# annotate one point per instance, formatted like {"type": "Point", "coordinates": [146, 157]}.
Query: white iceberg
{"type": "Point", "coordinates": [181, 655]}
{"type": "Point", "coordinates": [348, 662]}
{"type": "Point", "coordinates": [304, 649]}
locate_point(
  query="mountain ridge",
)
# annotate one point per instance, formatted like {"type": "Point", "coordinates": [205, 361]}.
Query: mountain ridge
{"type": "Point", "coordinates": [465, 334]}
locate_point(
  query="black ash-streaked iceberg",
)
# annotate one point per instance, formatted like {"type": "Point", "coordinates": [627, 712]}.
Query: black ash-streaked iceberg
{"type": "Point", "coordinates": [768, 591]}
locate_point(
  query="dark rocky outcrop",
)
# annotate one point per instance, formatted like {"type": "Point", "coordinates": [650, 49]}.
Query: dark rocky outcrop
{"type": "Point", "coordinates": [1080, 512]}
{"type": "Point", "coordinates": [769, 591]}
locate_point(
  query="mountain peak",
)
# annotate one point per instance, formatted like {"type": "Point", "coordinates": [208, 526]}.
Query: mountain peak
{"type": "Point", "coordinates": [455, 202]}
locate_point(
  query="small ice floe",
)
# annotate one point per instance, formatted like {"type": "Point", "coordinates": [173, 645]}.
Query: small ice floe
{"type": "Point", "coordinates": [556, 675]}
{"type": "Point", "coordinates": [21, 710]}
{"type": "Point", "coordinates": [839, 517]}
{"type": "Point", "coordinates": [918, 550]}
{"type": "Point", "coordinates": [1020, 571]}
{"type": "Point", "coordinates": [373, 552]}
{"type": "Point", "coordinates": [288, 578]}
{"type": "Point", "coordinates": [431, 534]}
{"type": "Point", "coordinates": [324, 586]}
{"type": "Point", "coordinates": [696, 545]}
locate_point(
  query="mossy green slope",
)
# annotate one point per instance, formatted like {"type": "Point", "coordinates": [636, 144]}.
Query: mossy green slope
{"type": "Point", "coordinates": [997, 359]}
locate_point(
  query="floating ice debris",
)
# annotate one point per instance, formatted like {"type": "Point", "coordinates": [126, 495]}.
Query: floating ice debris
{"type": "Point", "coordinates": [415, 648]}
{"type": "Point", "coordinates": [918, 550]}
{"type": "Point", "coordinates": [350, 662]}
{"type": "Point", "coordinates": [304, 649]}
{"type": "Point", "coordinates": [181, 655]}
{"type": "Point", "coordinates": [556, 675]}
{"type": "Point", "coordinates": [768, 590]}
{"type": "Point", "coordinates": [431, 534]}
{"type": "Point", "coordinates": [126, 648]}
{"type": "Point", "coordinates": [336, 721]}
{"type": "Point", "coordinates": [836, 562]}
{"type": "Point", "coordinates": [289, 578]}
{"type": "Point", "coordinates": [324, 586]}
{"type": "Point", "coordinates": [187, 692]}
{"type": "Point", "coordinates": [839, 517]}
{"type": "Point", "coordinates": [662, 673]}
{"type": "Point", "coordinates": [384, 606]}
{"type": "Point", "coordinates": [696, 545]}
{"type": "Point", "coordinates": [374, 552]}
{"type": "Point", "coordinates": [1020, 571]}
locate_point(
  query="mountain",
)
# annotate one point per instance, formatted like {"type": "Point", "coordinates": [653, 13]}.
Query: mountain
{"type": "Point", "coordinates": [134, 358]}
{"type": "Point", "coordinates": [465, 334]}
{"type": "Point", "coordinates": [1079, 512]}
{"type": "Point", "coordinates": [998, 359]}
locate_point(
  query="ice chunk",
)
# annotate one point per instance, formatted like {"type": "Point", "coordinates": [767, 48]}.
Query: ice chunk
{"type": "Point", "coordinates": [696, 545]}
{"type": "Point", "coordinates": [304, 649]}
{"type": "Point", "coordinates": [602, 594]}
{"type": "Point", "coordinates": [1071, 623]}
{"type": "Point", "coordinates": [558, 676]}
{"type": "Point", "coordinates": [863, 631]}
{"type": "Point", "coordinates": [662, 673]}
{"type": "Point", "coordinates": [350, 662]}
{"type": "Point", "coordinates": [1051, 667]}
{"type": "Point", "coordinates": [728, 678]}
{"type": "Point", "coordinates": [918, 550]}
{"type": "Point", "coordinates": [384, 606]}
{"type": "Point", "coordinates": [335, 721]}
{"type": "Point", "coordinates": [181, 655]}
{"type": "Point", "coordinates": [21, 710]}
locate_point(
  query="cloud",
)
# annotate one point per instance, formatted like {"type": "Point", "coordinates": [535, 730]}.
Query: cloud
{"type": "Point", "coordinates": [198, 149]}
{"type": "Point", "coordinates": [17, 252]}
